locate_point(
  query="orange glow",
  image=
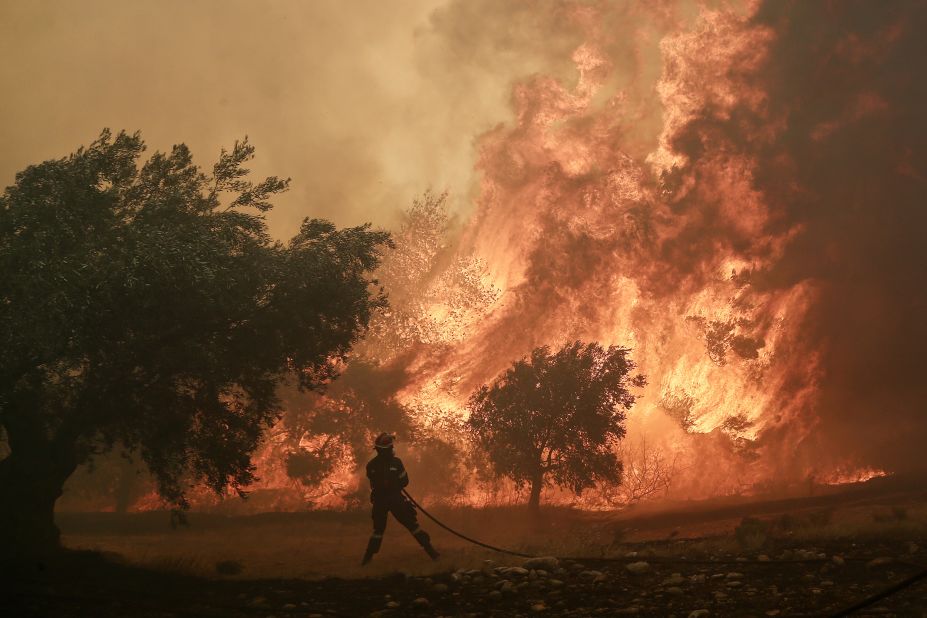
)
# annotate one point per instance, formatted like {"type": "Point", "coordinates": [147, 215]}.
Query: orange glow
{"type": "Point", "coordinates": [587, 226]}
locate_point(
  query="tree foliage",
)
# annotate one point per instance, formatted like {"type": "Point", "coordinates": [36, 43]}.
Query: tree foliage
{"type": "Point", "coordinates": [556, 417]}
{"type": "Point", "coordinates": [147, 305]}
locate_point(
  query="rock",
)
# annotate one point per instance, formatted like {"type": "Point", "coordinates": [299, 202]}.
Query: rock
{"type": "Point", "coordinates": [631, 554]}
{"type": "Point", "coordinates": [289, 606]}
{"type": "Point", "coordinates": [627, 611]}
{"type": "Point", "coordinates": [392, 604]}
{"type": "Point", "coordinates": [421, 602]}
{"type": "Point", "coordinates": [638, 568]}
{"type": "Point", "coordinates": [440, 588]}
{"type": "Point", "coordinates": [773, 612]}
{"type": "Point", "coordinates": [601, 577]}
{"type": "Point", "coordinates": [554, 583]}
{"type": "Point", "coordinates": [838, 560]}
{"type": "Point", "coordinates": [488, 566]}
{"type": "Point", "coordinates": [698, 613]}
{"type": "Point", "coordinates": [541, 573]}
{"type": "Point", "coordinates": [495, 594]}
{"type": "Point", "coordinates": [676, 579]}
{"type": "Point", "coordinates": [733, 584]}
{"type": "Point", "coordinates": [762, 558]}
{"type": "Point", "coordinates": [258, 601]}
{"type": "Point", "coordinates": [913, 548]}
{"type": "Point", "coordinates": [532, 575]}
{"type": "Point", "coordinates": [674, 590]}
{"type": "Point", "coordinates": [507, 586]}
{"type": "Point", "coordinates": [548, 563]}
{"type": "Point", "coordinates": [878, 562]}
{"type": "Point", "coordinates": [733, 575]}
{"type": "Point", "coordinates": [698, 578]}
{"type": "Point", "coordinates": [590, 574]}
{"type": "Point", "coordinates": [539, 607]}
{"type": "Point", "coordinates": [519, 571]}
{"type": "Point", "coordinates": [805, 554]}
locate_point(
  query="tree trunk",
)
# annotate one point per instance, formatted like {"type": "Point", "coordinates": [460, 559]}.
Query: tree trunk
{"type": "Point", "coordinates": [30, 483]}
{"type": "Point", "coordinates": [125, 488]}
{"type": "Point", "coordinates": [537, 483]}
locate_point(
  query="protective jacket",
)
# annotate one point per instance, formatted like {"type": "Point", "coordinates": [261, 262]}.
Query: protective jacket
{"type": "Point", "coordinates": [387, 477]}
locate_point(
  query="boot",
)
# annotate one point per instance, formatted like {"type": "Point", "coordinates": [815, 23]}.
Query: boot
{"type": "Point", "coordinates": [425, 541]}
{"type": "Point", "coordinates": [373, 546]}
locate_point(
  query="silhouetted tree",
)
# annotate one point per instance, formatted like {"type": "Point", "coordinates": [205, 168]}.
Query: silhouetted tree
{"type": "Point", "coordinates": [147, 306]}
{"type": "Point", "coordinates": [556, 417]}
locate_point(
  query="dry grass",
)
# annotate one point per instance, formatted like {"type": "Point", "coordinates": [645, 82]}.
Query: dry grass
{"type": "Point", "coordinates": [317, 545]}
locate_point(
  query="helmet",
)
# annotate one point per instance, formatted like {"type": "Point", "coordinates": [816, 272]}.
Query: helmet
{"type": "Point", "coordinates": [384, 441]}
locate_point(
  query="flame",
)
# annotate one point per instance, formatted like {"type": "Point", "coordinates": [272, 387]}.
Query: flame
{"type": "Point", "coordinates": [598, 219]}
{"type": "Point", "coordinates": [590, 229]}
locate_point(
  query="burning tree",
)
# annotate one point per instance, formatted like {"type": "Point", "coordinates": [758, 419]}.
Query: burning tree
{"type": "Point", "coordinates": [148, 307]}
{"type": "Point", "coordinates": [434, 296]}
{"type": "Point", "coordinates": [557, 417]}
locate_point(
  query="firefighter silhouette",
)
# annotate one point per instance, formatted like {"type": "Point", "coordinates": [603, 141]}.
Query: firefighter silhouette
{"type": "Point", "coordinates": [387, 479]}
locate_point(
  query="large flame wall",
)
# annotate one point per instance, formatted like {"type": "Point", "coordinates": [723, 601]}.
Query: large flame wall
{"type": "Point", "coordinates": [734, 190]}
{"type": "Point", "coordinates": [757, 245]}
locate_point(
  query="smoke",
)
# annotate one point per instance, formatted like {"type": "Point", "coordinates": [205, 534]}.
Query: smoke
{"type": "Point", "coordinates": [848, 167]}
{"type": "Point", "coordinates": [735, 190]}
{"type": "Point", "coordinates": [759, 247]}
{"type": "Point", "coordinates": [364, 104]}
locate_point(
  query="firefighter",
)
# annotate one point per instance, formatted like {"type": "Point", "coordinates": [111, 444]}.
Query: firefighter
{"type": "Point", "coordinates": [387, 479]}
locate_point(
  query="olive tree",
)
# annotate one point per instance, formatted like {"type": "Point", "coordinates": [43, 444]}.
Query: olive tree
{"type": "Point", "coordinates": [556, 417]}
{"type": "Point", "coordinates": [145, 305]}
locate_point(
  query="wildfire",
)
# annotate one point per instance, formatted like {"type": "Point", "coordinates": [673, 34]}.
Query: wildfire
{"type": "Point", "coordinates": [599, 219]}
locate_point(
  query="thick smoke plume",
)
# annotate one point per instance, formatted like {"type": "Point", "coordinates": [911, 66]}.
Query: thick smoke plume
{"type": "Point", "coordinates": [734, 190]}
{"type": "Point", "coordinates": [760, 249]}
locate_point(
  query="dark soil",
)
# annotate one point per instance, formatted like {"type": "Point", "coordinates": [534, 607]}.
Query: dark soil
{"type": "Point", "coordinates": [805, 580]}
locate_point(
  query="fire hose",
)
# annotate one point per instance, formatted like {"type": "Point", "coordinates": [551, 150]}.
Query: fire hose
{"type": "Point", "coordinates": [463, 536]}
{"type": "Point", "coordinates": [906, 583]}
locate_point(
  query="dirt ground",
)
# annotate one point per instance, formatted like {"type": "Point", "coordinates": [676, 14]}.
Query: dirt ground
{"type": "Point", "coordinates": [808, 556]}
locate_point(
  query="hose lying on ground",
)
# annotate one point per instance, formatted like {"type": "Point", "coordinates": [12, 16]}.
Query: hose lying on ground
{"type": "Point", "coordinates": [910, 581]}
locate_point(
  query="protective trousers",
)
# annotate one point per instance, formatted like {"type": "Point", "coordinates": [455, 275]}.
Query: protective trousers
{"type": "Point", "coordinates": [403, 511]}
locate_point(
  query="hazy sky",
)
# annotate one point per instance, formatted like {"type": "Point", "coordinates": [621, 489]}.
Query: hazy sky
{"type": "Point", "coordinates": [364, 104]}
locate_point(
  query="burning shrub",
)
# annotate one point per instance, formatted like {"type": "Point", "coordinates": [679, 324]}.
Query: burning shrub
{"type": "Point", "coordinates": [678, 406]}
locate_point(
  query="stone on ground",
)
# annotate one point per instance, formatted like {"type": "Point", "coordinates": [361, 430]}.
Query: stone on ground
{"type": "Point", "coordinates": [548, 563]}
